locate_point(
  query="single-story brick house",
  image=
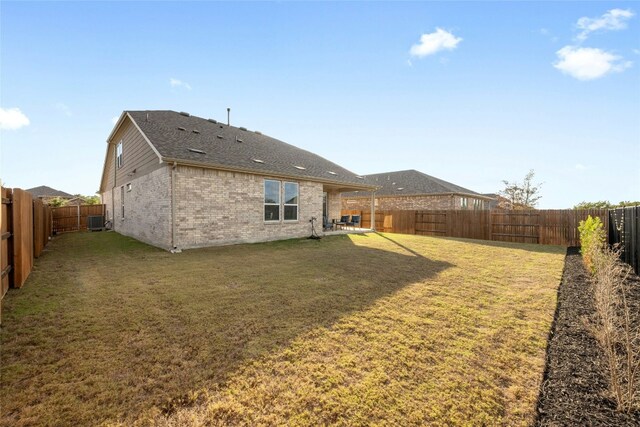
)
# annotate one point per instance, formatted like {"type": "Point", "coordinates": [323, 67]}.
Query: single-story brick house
{"type": "Point", "coordinates": [177, 181]}
{"type": "Point", "coordinates": [46, 194]}
{"type": "Point", "coordinates": [414, 190]}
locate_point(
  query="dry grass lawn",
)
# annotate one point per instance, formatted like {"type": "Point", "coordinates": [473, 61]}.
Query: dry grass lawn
{"type": "Point", "coordinates": [350, 330]}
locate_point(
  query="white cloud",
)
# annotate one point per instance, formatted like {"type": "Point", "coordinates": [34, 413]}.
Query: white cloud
{"type": "Point", "coordinates": [548, 34]}
{"type": "Point", "coordinates": [64, 109]}
{"type": "Point", "coordinates": [434, 42]}
{"type": "Point", "coordinates": [586, 63]}
{"type": "Point", "coordinates": [12, 119]}
{"type": "Point", "coordinates": [115, 119]}
{"type": "Point", "coordinates": [580, 167]}
{"type": "Point", "coordinates": [615, 19]}
{"type": "Point", "coordinates": [179, 83]}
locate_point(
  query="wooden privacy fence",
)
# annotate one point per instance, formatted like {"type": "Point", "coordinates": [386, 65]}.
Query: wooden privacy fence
{"type": "Point", "coordinates": [624, 229]}
{"type": "Point", "coordinates": [74, 218]}
{"type": "Point", "coordinates": [548, 227]}
{"type": "Point", "coordinates": [25, 225]}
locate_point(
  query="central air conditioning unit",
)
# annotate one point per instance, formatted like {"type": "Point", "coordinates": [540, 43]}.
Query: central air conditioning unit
{"type": "Point", "coordinates": [95, 222]}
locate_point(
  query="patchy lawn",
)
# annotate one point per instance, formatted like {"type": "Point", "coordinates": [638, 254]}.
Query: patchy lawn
{"type": "Point", "coordinates": [349, 330]}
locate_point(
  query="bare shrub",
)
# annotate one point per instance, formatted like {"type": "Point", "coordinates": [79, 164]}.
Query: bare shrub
{"type": "Point", "coordinates": [613, 328]}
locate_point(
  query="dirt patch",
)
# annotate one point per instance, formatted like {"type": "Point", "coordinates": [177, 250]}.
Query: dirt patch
{"type": "Point", "coordinates": [574, 390]}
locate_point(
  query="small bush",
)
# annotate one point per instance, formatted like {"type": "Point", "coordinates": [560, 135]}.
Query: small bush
{"type": "Point", "coordinates": [592, 240]}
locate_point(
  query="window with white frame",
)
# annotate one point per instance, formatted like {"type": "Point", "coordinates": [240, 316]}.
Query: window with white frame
{"type": "Point", "coordinates": [290, 201]}
{"type": "Point", "coordinates": [477, 204]}
{"type": "Point", "coordinates": [271, 200]}
{"type": "Point", "coordinates": [464, 202]}
{"type": "Point", "coordinates": [119, 159]}
{"type": "Point", "coordinates": [281, 200]}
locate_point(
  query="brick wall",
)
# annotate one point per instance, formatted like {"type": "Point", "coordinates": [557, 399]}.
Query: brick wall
{"type": "Point", "coordinates": [334, 205]}
{"type": "Point", "coordinates": [107, 200]}
{"type": "Point", "coordinates": [435, 202]}
{"type": "Point", "coordinates": [147, 208]}
{"type": "Point", "coordinates": [216, 207]}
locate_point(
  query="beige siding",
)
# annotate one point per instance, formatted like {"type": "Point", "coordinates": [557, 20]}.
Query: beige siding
{"type": "Point", "coordinates": [109, 168]}
{"type": "Point", "coordinates": [136, 153]}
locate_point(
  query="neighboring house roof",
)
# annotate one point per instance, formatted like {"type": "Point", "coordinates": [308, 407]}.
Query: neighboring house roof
{"type": "Point", "coordinates": [496, 200]}
{"type": "Point", "coordinates": [412, 183]}
{"type": "Point", "coordinates": [202, 142]}
{"type": "Point", "coordinates": [75, 201]}
{"type": "Point", "coordinates": [44, 191]}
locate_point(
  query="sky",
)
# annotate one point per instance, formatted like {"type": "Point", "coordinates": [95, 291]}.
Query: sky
{"type": "Point", "coordinates": [470, 92]}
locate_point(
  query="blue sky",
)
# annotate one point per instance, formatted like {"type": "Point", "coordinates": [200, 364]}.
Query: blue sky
{"type": "Point", "coordinates": [472, 93]}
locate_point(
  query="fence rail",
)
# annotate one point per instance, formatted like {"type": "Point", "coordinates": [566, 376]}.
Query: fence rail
{"type": "Point", "coordinates": [548, 227]}
{"type": "Point", "coordinates": [624, 229]}
{"type": "Point", "coordinates": [25, 226]}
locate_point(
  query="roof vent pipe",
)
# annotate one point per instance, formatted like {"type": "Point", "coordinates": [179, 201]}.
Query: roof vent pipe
{"type": "Point", "coordinates": [228, 116]}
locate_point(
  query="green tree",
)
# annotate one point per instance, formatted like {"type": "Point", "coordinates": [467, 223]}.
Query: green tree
{"type": "Point", "coordinates": [604, 204]}
{"type": "Point", "coordinates": [627, 203]}
{"type": "Point", "coordinates": [57, 202]}
{"type": "Point", "coordinates": [91, 200]}
{"type": "Point", "coordinates": [601, 204]}
{"type": "Point", "coordinates": [88, 200]}
{"type": "Point", "coordinates": [524, 195]}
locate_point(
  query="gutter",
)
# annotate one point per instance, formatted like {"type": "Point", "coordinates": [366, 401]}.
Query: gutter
{"type": "Point", "coordinates": [475, 196]}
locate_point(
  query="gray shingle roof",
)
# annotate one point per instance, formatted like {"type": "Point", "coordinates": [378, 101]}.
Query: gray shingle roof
{"type": "Point", "coordinates": [44, 191]}
{"type": "Point", "coordinates": [410, 182]}
{"type": "Point", "coordinates": [179, 137]}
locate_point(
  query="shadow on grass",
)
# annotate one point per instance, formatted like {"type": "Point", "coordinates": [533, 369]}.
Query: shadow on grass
{"type": "Point", "coordinates": [530, 247]}
{"type": "Point", "coordinates": [114, 327]}
{"type": "Point", "coordinates": [395, 242]}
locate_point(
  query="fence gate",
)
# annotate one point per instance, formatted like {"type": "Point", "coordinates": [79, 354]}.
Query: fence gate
{"type": "Point", "coordinates": [513, 226]}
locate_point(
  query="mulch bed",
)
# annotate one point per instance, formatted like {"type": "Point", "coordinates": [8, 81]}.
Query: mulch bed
{"type": "Point", "coordinates": [574, 389]}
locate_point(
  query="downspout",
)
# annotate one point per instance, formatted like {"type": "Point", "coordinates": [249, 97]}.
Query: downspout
{"type": "Point", "coordinates": [373, 211]}
{"type": "Point", "coordinates": [113, 202]}
{"type": "Point", "coordinates": [174, 247]}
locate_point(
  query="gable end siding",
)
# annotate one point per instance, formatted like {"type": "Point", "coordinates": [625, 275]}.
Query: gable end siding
{"type": "Point", "coordinates": [136, 153]}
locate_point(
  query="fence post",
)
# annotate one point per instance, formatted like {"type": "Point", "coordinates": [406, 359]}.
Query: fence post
{"type": "Point", "coordinates": [78, 217]}
{"type": "Point", "coordinates": [490, 234]}
{"type": "Point", "coordinates": [6, 244]}
{"type": "Point", "coordinates": [22, 217]}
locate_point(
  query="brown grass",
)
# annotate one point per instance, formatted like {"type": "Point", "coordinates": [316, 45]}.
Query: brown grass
{"type": "Point", "coordinates": [350, 330]}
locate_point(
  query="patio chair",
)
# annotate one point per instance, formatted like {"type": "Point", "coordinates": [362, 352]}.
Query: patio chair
{"type": "Point", "coordinates": [344, 220]}
{"type": "Point", "coordinates": [355, 221]}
